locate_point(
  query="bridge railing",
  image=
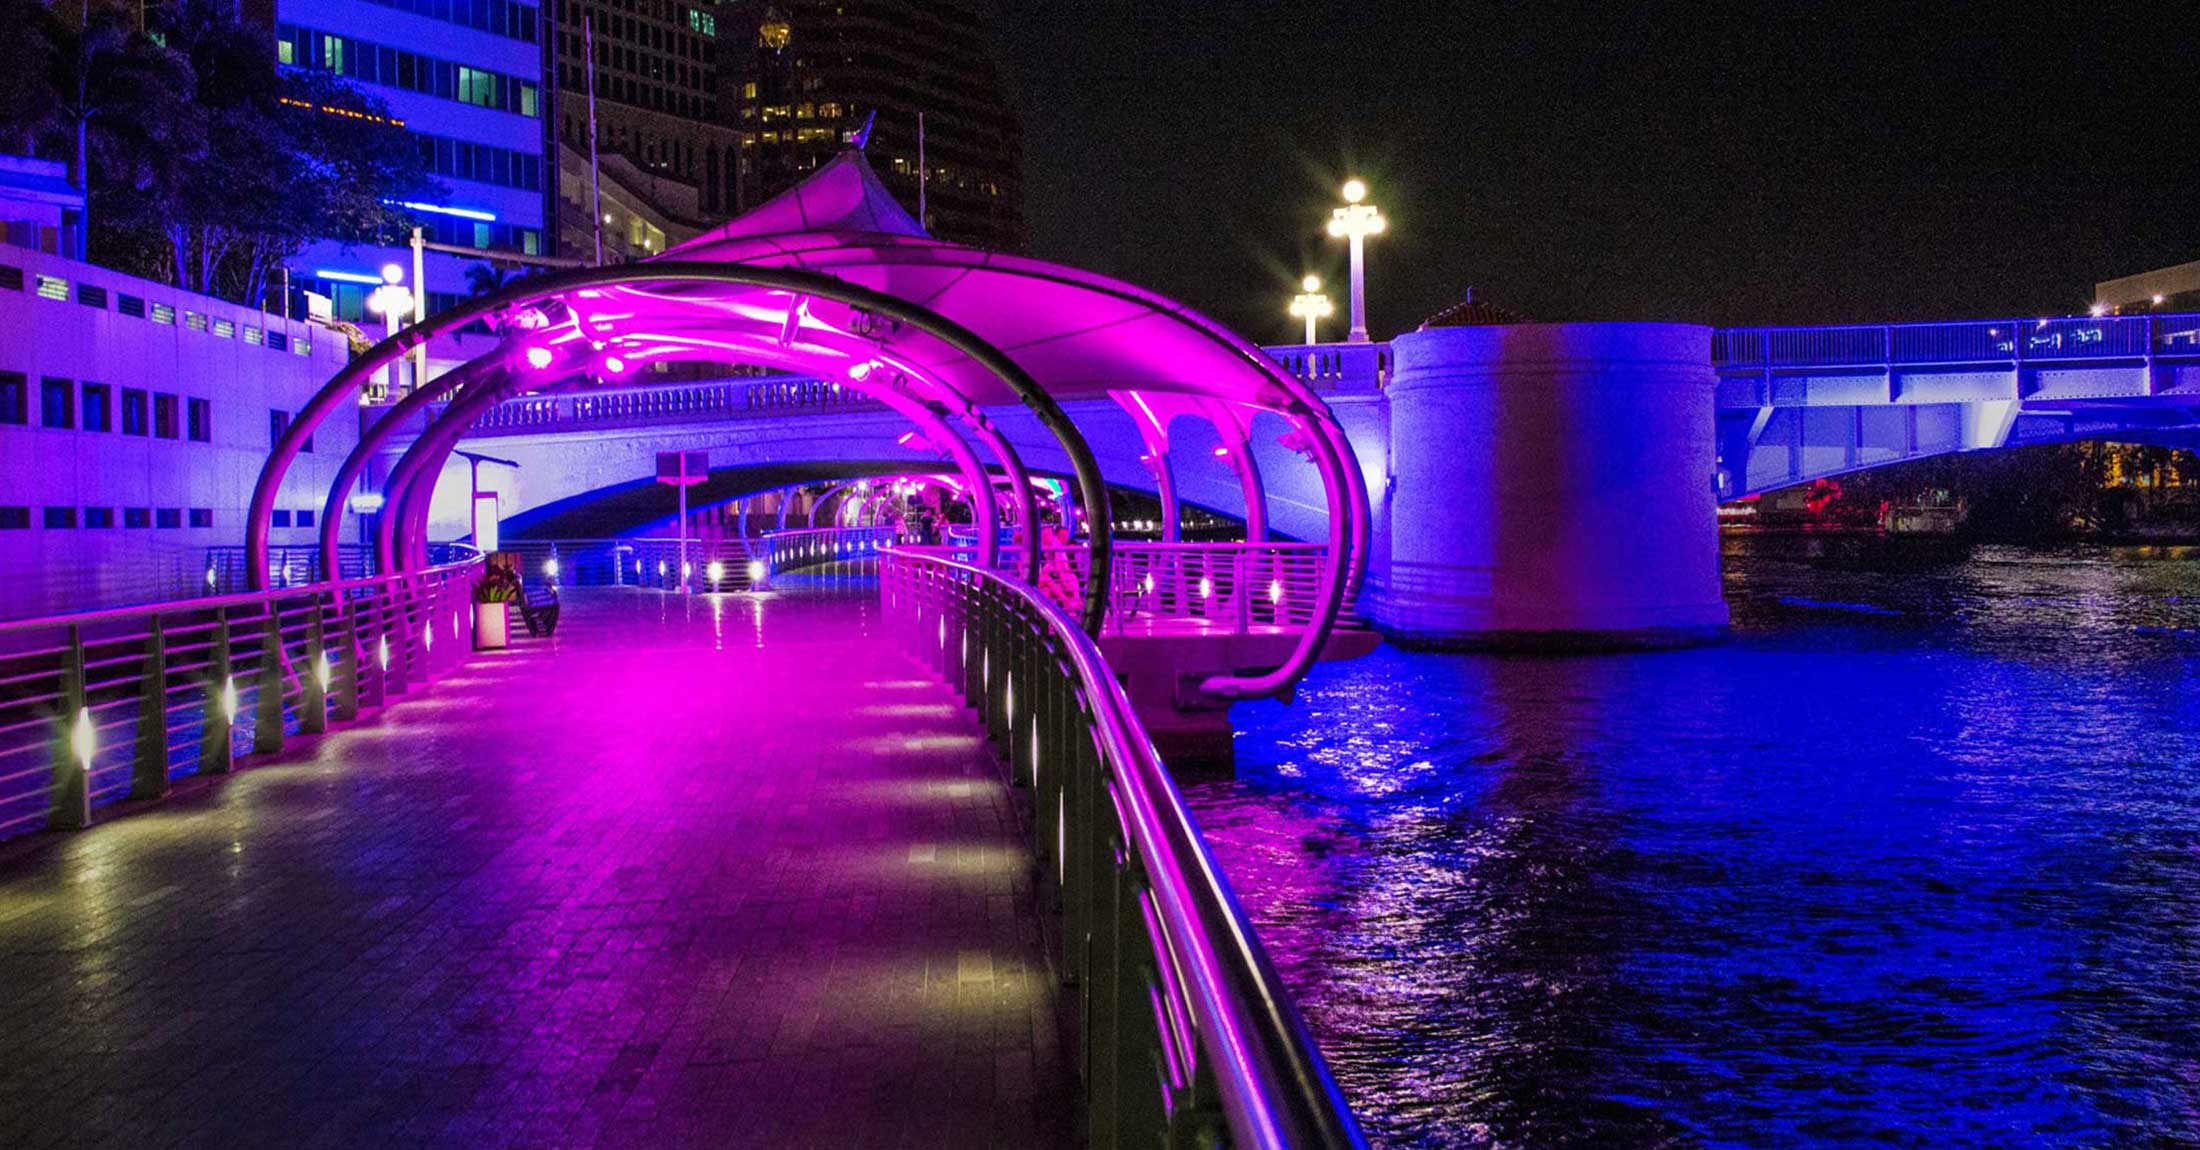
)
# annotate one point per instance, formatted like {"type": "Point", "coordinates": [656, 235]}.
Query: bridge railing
{"type": "Point", "coordinates": [2078, 338]}
{"type": "Point", "coordinates": [809, 547]}
{"type": "Point", "coordinates": [105, 706]}
{"type": "Point", "coordinates": [1190, 1037]}
{"type": "Point", "coordinates": [1232, 588]}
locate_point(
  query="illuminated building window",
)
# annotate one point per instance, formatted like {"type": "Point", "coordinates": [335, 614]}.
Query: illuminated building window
{"type": "Point", "coordinates": [134, 412]}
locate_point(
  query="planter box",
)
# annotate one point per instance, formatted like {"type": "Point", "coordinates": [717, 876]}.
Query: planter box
{"type": "Point", "coordinates": [492, 626]}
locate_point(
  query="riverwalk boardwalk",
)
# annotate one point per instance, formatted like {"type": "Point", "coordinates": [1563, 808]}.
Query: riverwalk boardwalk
{"type": "Point", "coordinates": [711, 871]}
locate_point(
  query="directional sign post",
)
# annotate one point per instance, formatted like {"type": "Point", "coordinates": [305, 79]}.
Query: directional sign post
{"type": "Point", "coordinates": [683, 469]}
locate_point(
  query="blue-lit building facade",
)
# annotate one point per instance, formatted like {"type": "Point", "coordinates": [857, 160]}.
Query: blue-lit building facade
{"type": "Point", "coordinates": [467, 79]}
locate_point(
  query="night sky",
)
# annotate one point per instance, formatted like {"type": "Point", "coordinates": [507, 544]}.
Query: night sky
{"type": "Point", "coordinates": [1719, 168]}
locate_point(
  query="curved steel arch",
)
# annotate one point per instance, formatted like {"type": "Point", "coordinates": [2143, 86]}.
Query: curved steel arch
{"type": "Point", "coordinates": [371, 441]}
{"type": "Point", "coordinates": [1091, 487]}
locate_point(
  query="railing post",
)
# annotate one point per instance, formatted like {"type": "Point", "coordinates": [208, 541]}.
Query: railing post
{"type": "Point", "coordinates": [217, 753]}
{"type": "Point", "coordinates": [1140, 1078]}
{"type": "Point", "coordinates": [313, 677]}
{"type": "Point", "coordinates": [267, 716]}
{"type": "Point", "coordinates": [347, 673]}
{"type": "Point", "coordinates": [393, 657]}
{"type": "Point", "coordinates": [149, 768]}
{"type": "Point", "coordinates": [1241, 590]}
{"type": "Point", "coordinates": [73, 744]}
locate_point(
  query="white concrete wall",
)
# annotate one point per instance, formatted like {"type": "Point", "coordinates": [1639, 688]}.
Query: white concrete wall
{"type": "Point", "coordinates": [44, 571]}
{"type": "Point", "coordinates": [1554, 485]}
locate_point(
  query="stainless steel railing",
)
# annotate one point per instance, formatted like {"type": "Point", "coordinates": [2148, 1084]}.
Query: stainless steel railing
{"type": "Point", "coordinates": [809, 547]}
{"type": "Point", "coordinates": [100, 707]}
{"type": "Point", "coordinates": [1189, 1037]}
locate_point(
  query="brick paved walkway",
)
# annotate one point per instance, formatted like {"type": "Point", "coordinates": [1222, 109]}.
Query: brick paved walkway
{"type": "Point", "coordinates": [734, 874]}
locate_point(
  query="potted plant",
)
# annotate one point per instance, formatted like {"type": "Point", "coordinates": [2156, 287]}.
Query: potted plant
{"type": "Point", "coordinates": [494, 593]}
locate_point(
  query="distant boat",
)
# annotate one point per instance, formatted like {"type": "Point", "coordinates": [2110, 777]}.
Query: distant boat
{"type": "Point", "coordinates": [1935, 514]}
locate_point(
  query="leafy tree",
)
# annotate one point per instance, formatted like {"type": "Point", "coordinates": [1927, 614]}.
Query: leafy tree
{"type": "Point", "coordinates": [208, 164]}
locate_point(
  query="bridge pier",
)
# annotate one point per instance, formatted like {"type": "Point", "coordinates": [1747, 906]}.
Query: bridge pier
{"type": "Point", "coordinates": [1553, 487]}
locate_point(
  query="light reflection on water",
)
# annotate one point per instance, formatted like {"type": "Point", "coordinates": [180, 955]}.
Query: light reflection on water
{"type": "Point", "coordinates": [1912, 860]}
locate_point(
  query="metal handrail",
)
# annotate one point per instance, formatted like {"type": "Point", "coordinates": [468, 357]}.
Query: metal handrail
{"type": "Point", "coordinates": [810, 546]}
{"type": "Point", "coordinates": [101, 706]}
{"type": "Point", "coordinates": [1191, 1038]}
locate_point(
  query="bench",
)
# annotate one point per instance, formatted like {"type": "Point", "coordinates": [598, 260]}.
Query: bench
{"type": "Point", "coordinates": [538, 608]}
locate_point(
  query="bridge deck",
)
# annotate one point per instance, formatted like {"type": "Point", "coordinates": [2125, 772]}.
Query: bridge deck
{"type": "Point", "coordinates": [731, 874]}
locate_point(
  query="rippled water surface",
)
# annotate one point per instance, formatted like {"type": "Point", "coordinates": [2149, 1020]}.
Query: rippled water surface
{"type": "Point", "coordinates": [1912, 860]}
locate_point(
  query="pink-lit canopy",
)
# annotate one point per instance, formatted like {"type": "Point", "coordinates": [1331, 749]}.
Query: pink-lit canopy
{"type": "Point", "coordinates": [834, 279]}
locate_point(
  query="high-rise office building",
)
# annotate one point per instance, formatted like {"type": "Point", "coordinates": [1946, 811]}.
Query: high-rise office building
{"type": "Point", "coordinates": [467, 79]}
{"type": "Point", "coordinates": [812, 72]}
{"type": "Point", "coordinates": [659, 105]}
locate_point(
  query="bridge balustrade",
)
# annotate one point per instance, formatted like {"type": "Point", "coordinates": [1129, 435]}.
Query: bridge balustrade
{"type": "Point", "coordinates": [2069, 338]}
{"type": "Point", "coordinates": [1189, 1036]}
{"type": "Point", "coordinates": [100, 707]}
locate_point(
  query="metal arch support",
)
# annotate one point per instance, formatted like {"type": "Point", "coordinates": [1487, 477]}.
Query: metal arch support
{"type": "Point", "coordinates": [786, 496]}
{"type": "Point", "coordinates": [395, 543]}
{"type": "Point", "coordinates": [1027, 507]}
{"type": "Point", "coordinates": [370, 442]}
{"type": "Point", "coordinates": [339, 389]}
{"type": "Point", "coordinates": [835, 489]}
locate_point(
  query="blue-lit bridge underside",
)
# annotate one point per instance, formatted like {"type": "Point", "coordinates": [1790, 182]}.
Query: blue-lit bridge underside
{"type": "Point", "coordinates": [1797, 404]}
{"type": "Point", "coordinates": [726, 870]}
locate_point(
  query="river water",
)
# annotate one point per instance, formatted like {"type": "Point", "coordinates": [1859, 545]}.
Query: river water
{"type": "Point", "coordinates": [1913, 859]}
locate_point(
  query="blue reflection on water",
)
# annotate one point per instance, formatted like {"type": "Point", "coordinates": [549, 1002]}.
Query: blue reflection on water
{"type": "Point", "coordinates": [1926, 874]}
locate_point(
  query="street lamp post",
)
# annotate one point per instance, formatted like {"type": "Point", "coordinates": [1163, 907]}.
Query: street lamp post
{"type": "Point", "coordinates": [1355, 222]}
{"type": "Point", "coordinates": [391, 300]}
{"type": "Point", "coordinates": [1312, 305]}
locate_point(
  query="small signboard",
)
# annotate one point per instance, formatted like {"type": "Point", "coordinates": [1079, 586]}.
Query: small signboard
{"type": "Point", "coordinates": [683, 468]}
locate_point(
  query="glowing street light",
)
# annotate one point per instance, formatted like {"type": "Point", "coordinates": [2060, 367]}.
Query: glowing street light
{"type": "Point", "coordinates": [391, 300]}
{"type": "Point", "coordinates": [1312, 305]}
{"type": "Point", "coordinates": [1355, 222]}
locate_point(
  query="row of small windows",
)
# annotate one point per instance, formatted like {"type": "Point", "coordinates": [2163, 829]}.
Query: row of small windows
{"type": "Point", "coordinates": [395, 68]}
{"type": "Point", "coordinates": [632, 92]}
{"type": "Point", "coordinates": [481, 163]}
{"type": "Point", "coordinates": [501, 17]}
{"type": "Point", "coordinates": [476, 234]}
{"type": "Point", "coordinates": [69, 518]}
{"type": "Point", "coordinates": [137, 307]}
{"type": "Point", "coordinates": [65, 405]}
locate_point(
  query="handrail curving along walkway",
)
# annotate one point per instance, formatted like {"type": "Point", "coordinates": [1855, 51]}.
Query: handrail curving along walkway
{"type": "Point", "coordinates": [1190, 1037]}
{"type": "Point", "coordinates": [104, 706]}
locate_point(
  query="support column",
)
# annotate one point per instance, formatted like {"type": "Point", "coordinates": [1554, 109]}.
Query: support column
{"type": "Point", "coordinates": [1554, 487]}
